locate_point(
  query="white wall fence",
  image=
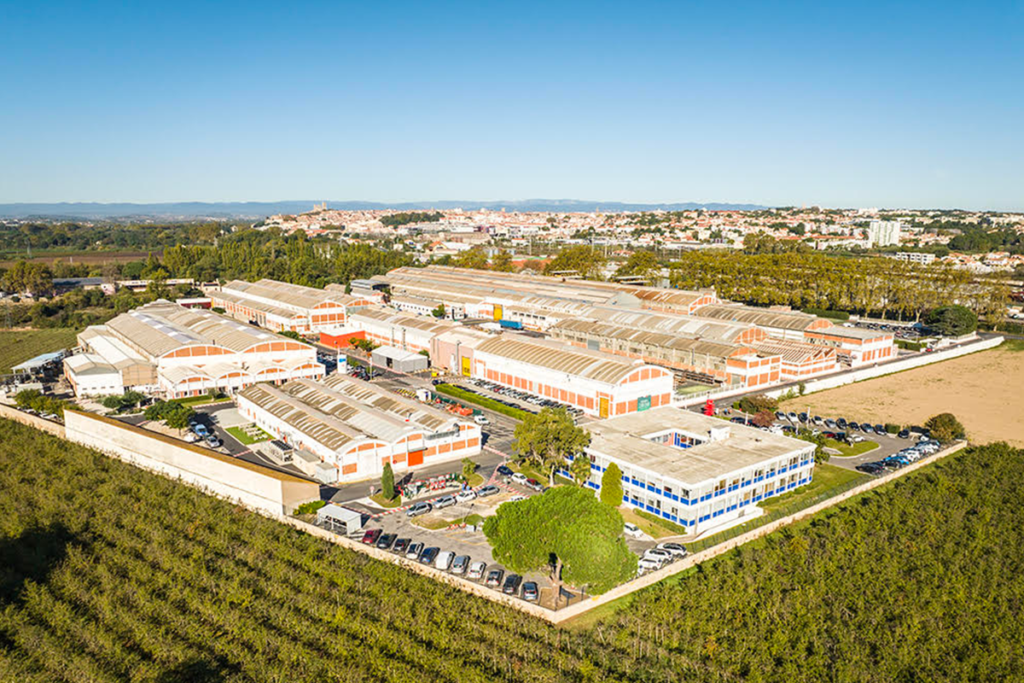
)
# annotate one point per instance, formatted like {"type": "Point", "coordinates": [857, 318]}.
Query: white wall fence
{"type": "Point", "coordinates": [259, 488]}
{"type": "Point", "coordinates": [834, 381]}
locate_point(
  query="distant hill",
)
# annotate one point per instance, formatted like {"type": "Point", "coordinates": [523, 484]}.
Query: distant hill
{"type": "Point", "coordinates": [194, 210]}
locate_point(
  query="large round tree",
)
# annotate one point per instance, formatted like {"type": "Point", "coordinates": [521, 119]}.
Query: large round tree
{"type": "Point", "coordinates": [567, 530]}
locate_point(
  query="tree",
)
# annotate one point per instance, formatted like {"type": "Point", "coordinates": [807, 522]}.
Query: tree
{"type": "Point", "coordinates": [944, 427]}
{"type": "Point", "coordinates": [643, 264]}
{"type": "Point", "coordinates": [471, 258]}
{"type": "Point", "coordinates": [611, 486]}
{"type": "Point", "coordinates": [548, 438]}
{"type": "Point", "coordinates": [291, 334]}
{"type": "Point", "coordinates": [763, 418]}
{"type": "Point", "coordinates": [502, 262]}
{"type": "Point", "coordinates": [582, 259]}
{"type": "Point", "coordinates": [567, 529]}
{"type": "Point", "coordinates": [468, 468]}
{"type": "Point", "coordinates": [439, 312]}
{"type": "Point", "coordinates": [579, 468]}
{"type": "Point", "coordinates": [952, 321]}
{"type": "Point", "coordinates": [820, 454]}
{"type": "Point", "coordinates": [387, 482]}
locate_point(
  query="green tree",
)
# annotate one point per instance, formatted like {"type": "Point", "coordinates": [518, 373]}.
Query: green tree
{"type": "Point", "coordinates": [468, 468]}
{"type": "Point", "coordinates": [567, 530]}
{"type": "Point", "coordinates": [944, 427]}
{"type": "Point", "coordinates": [502, 262]}
{"type": "Point", "coordinates": [547, 438]}
{"type": "Point", "coordinates": [952, 321]}
{"type": "Point", "coordinates": [611, 486]}
{"type": "Point", "coordinates": [471, 258]}
{"type": "Point", "coordinates": [581, 259]}
{"type": "Point", "coordinates": [439, 312]}
{"type": "Point", "coordinates": [643, 264]}
{"type": "Point", "coordinates": [387, 482]}
{"type": "Point", "coordinates": [579, 468]}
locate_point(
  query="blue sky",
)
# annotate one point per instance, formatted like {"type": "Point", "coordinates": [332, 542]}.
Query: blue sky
{"type": "Point", "coordinates": [839, 104]}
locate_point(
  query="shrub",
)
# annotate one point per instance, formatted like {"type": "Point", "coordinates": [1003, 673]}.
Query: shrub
{"type": "Point", "coordinates": [611, 486]}
{"type": "Point", "coordinates": [909, 345]}
{"type": "Point", "coordinates": [310, 507]}
{"type": "Point", "coordinates": [757, 404]}
{"type": "Point", "coordinates": [945, 427]}
{"type": "Point", "coordinates": [892, 428]}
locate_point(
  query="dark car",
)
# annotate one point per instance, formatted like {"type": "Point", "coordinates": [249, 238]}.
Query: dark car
{"type": "Point", "coordinates": [867, 429]}
{"type": "Point", "coordinates": [881, 429]}
{"type": "Point", "coordinates": [494, 578]}
{"type": "Point", "coordinates": [505, 470]}
{"type": "Point", "coordinates": [841, 423]}
{"type": "Point", "coordinates": [739, 420]}
{"type": "Point", "coordinates": [853, 426]}
{"type": "Point", "coordinates": [385, 542]}
{"type": "Point", "coordinates": [802, 417]}
{"type": "Point", "coordinates": [401, 545]}
{"type": "Point", "coordinates": [371, 536]}
{"type": "Point", "coordinates": [530, 592]}
{"type": "Point", "coordinates": [429, 555]}
{"type": "Point", "coordinates": [904, 434]}
{"type": "Point", "coordinates": [870, 468]}
{"type": "Point", "coordinates": [511, 586]}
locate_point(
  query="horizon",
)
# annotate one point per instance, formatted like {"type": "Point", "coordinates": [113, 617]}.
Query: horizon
{"type": "Point", "coordinates": [796, 105]}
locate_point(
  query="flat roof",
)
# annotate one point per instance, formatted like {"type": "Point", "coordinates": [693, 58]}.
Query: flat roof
{"type": "Point", "coordinates": [39, 361]}
{"type": "Point", "coordinates": [627, 440]}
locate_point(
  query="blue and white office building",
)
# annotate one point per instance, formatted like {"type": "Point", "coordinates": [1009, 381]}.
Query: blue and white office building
{"type": "Point", "coordinates": [695, 470]}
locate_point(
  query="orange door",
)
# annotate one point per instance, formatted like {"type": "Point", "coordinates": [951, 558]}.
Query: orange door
{"type": "Point", "coordinates": [416, 458]}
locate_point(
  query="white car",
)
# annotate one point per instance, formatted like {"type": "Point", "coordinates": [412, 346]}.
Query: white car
{"type": "Point", "coordinates": [465, 496]}
{"type": "Point", "coordinates": [516, 498]}
{"type": "Point", "coordinates": [519, 478]}
{"type": "Point", "coordinates": [633, 530]}
{"type": "Point", "coordinates": [481, 419]}
{"type": "Point", "coordinates": [648, 565]}
{"type": "Point", "coordinates": [444, 560]}
{"type": "Point", "coordinates": [658, 555]}
{"type": "Point", "coordinates": [675, 548]}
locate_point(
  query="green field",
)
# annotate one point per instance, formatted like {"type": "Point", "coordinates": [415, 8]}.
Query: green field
{"type": "Point", "coordinates": [17, 346]}
{"type": "Point", "coordinates": [110, 573]}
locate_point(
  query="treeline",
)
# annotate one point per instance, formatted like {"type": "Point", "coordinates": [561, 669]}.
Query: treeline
{"type": "Point", "coordinates": [105, 237]}
{"type": "Point", "coordinates": [252, 254]}
{"type": "Point", "coordinates": [404, 218]}
{"type": "Point", "coordinates": [109, 573]}
{"type": "Point", "coordinates": [873, 286]}
{"type": "Point", "coordinates": [80, 308]}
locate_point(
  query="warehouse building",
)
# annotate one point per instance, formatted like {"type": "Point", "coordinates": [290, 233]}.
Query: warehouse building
{"type": "Point", "coordinates": [855, 346]}
{"type": "Point", "coordinates": [778, 324]}
{"type": "Point", "coordinates": [597, 383]}
{"type": "Point", "coordinates": [281, 307]}
{"type": "Point", "coordinates": [403, 330]}
{"type": "Point", "coordinates": [163, 348]}
{"type": "Point", "coordinates": [356, 427]}
{"type": "Point", "coordinates": [453, 350]}
{"type": "Point", "coordinates": [694, 470]}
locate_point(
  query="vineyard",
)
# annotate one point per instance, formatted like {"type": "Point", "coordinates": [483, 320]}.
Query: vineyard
{"type": "Point", "coordinates": [108, 573]}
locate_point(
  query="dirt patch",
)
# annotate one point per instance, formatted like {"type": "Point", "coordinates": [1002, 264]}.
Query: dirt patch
{"type": "Point", "coordinates": [983, 390]}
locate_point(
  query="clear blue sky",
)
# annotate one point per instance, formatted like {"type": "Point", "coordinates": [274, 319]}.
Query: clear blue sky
{"type": "Point", "coordinates": [839, 104]}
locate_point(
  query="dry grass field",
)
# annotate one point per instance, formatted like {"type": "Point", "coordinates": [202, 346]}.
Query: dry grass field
{"type": "Point", "coordinates": [17, 346]}
{"type": "Point", "coordinates": [985, 390]}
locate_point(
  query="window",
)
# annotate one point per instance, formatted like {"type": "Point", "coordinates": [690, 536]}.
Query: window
{"type": "Point", "coordinates": [667, 489]}
{"type": "Point", "coordinates": [720, 486]}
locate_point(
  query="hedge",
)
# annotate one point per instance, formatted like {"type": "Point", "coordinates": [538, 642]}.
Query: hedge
{"type": "Point", "coordinates": [483, 401]}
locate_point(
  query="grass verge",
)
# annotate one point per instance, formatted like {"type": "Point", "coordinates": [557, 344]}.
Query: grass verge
{"type": "Point", "coordinates": [380, 500]}
{"type": "Point", "coordinates": [647, 525]}
{"type": "Point", "coordinates": [245, 439]}
{"type": "Point", "coordinates": [482, 401]}
{"type": "Point", "coordinates": [849, 451]}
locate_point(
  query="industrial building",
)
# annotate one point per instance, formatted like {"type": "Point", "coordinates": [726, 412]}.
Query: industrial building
{"type": "Point", "coordinates": [165, 349]}
{"type": "Point", "coordinates": [356, 427]}
{"type": "Point", "coordinates": [778, 324]}
{"type": "Point", "coordinates": [597, 383]}
{"type": "Point", "coordinates": [694, 470]}
{"type": "Point", "coordinates": [281, 307]}
{"type": "Point", "coordinates": [855, 346]}
{"type": "Point", "coordinates": [403, 330]}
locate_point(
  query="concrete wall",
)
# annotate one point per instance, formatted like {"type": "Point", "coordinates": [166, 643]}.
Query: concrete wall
{"type": "Point", "coordinates": [12, 413]}
{"type": "Point", "coordinates": [260, 488]}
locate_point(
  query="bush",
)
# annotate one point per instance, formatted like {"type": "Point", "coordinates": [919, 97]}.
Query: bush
{"type": "Point", "coordinates": [611, 486]}
{"type": "Point", "coordinates": [39, 402]}
{"type": "Point", "coordinates": [909, 345]}
{"type": "Point", "coordinates": [892, 428]}
{"type": "Point", "coordinates": [489, 403]}
{"type": "Point", "coordinates": [945, 427]}
{"type": "Point", "coordinates": [310, 507]}
{"type": "Point", "coordinates": [757, 404]}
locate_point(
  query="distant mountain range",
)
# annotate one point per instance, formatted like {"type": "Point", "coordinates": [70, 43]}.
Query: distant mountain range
{"type": "Point", "coordinates": [194, 210]}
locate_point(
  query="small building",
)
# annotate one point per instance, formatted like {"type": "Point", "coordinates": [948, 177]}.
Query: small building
{"type": "Point", "coordinates": [281, 306]}
{"type": "Point", "coordinates": [855, 346]}
{"type": "Point", "coordinates": [403, 330]}
{"type": "Point", "coordinates": [341, 337]}
{"type": "Point", "coordinates": [694, 470]}
{"type": "Point", "coordinates": [340, 520]}
{"type": "Point", "coordinates": [394, 358]}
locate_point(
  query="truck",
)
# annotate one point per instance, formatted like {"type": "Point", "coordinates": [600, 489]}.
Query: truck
{"type": "Point", "coordinates": [511, 324]}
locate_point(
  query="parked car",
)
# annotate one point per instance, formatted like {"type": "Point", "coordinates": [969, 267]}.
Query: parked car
{"type": "Point", "coordinates": [853, 426]}
{"type": "Point", "coordinates": [530, 591]}
{"type": "Point", "coordinates": [841, 423]}
{"type": "Point", "coordinates": [444, 560]}
{"type": "Point", "coordinates": [414, 551]}
{"type": "Point", "coordinates": [465, 496]}
{"type": "Point", "coordinates": [659, 556]}
{"type": "Point", "coordinates": [481, 419]}
{"type": "Point", "coordinates": [191, 438]}
{"type": "Point", "coordinates": [904, 434]}
{"type": "Point", "coordinates": [505, 471]}
{"type": "Point", "coordinates": [881, 430]}
{"type": "Point", "coordinates": [520, 478]}
{"type": "Point", "coordinates": [648, 565]}
{"type": "Point", "coordinates": [421, 508]}
{"type": "Point", "coordinates": [633, 530]}
{"type": "Point", "coordinates": [780, 416]}
{"type": "Point", "coordinates": [444, 502]}
{"type": "Point", "coordinates": [488, 490]}
{"type": "Point", "coordinates": [515, 499]}
{"type": "Point", "coordinates": [460, 564]}
{"type": "Point", "coordinates": [817, 420]}
{"type": "Point", "coordinates": [511, 585]}
{"type": "Point", "coordinates": [793, 417]}
{"type": "Point", "coordinates": [213, 442]}
{"type": "Point", "coordinates": [476, 570]}
{"type": "Point", "coordinates": [429, 555]}
{"type": "Point", "coordinates": [675, 548]}
{"type": "Point", "coordinates": [494, 578]}
{"type": "Point", "coordinates": [534, 484]}
{"type": "Point", "coordinates": [867, 429]}
{"type": "Point", "coordinates": [371, 536]}
{"type": "Point", "coordinates": [386, 540]}
{"type": "Point", "coordinates": [831, 424]}
{"type": "Point", "coordinates": [401, 545]}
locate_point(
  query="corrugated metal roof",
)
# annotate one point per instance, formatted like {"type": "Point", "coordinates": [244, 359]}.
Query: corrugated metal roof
{"type": "Point", "coordinates": [560, 357]}
{"type": "Point", "coordinates": [595, 330]}
{"type": "Point", "coordinates": [763, 317]}
{"type": "Point", "coordinates": [685, 325]}
{"type": "Point", "coordinates": [286, 293]}
{"type": "Point", "coordinates": [380, 315]}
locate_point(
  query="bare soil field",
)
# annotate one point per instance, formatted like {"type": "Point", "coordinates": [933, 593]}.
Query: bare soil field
{"type": "Point", "coordinates": [985, 390]}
